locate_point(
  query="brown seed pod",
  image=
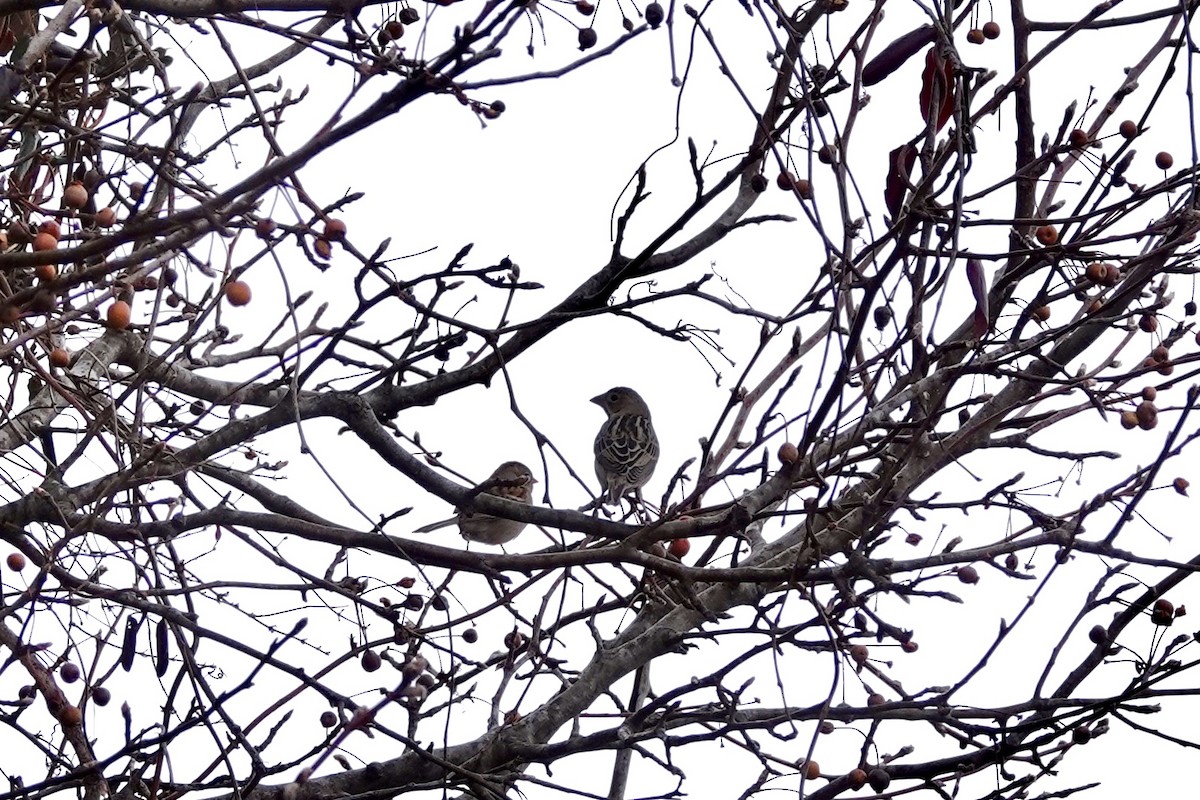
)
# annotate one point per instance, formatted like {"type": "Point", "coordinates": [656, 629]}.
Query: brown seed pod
{"type": "Point", "coordinates": [804, 189]}
{"type": "Point", "coordinates": [1095, 272]}
{"type": "Point", "coordinates": [1046, 235]}
{"type": "Point", "coordinates": [1129, 420]}
{"type": "Point", "coordinates": [1148, 323]}
{"type": "Point", "coordinates": [15, 561]}
{"type": "Point", "coordinates": [587, 38]}
{"type": "Point", "coordinates": [679, 547]}
{"type": "Point", "coordinates": [1160, 353]}
{"type": "Point", "coordinates": [129, 645]}
{"type": "Point", "coordinates": [1078, 138]}
{"type": "Point", "coordinates": [788, 453]}
{"type": "Point", "coordinates": [45, 272]}
{"type": "Point", "coordinates": [162, 650]}
{"type": "Point", "coordinates": [1098, 634]}
{"type": "Point", "coordinates": [910, 646]}
{"type": "Point", "coordinates": [1164, 160]}
{"type": "Point", "coordinates": [812, 770]}
{"type": "Point", "coordinates": [106, 217]}
{"type": "Point", "coordinates": [371, 661]}
{"type": "Point", "coordinates": [60, 358]}
{"type": "Point", "coordinates": [857, 778]}
{"type": "Point", "coordinates": [876, 699]}
{"type": "Point", "coordinates": [968, 574]}
{"type": "Point", "coordinates": [785, 181]}
{"type": "Point", "coordinates": [69, 672]}
{"type": "Point", "coordinates": [328, 719]}
{"type": "Point", "coordinates": [1149, 393]}
{"type": "Point", "coordinates": [991, 29]}
{"type": "Point", "coordinates": [470, 636]}
{"type": "Point", "coordinates": [1129, 129]}
{"type": "Point", "coordinates": [323, 249]}
{"type": "Point", "coordinates": [1010, 562]}
{"type": "Point", "coordinates": [1112, 275]}
{"type": "Point", "coordinates": [1181, 485]}
{"type": "Point", "coordinates": [975, 36]}
{"type": "Point", "coordinates": [1041, 313]}
{"type": "Point", "coordinates": [101, 695]}
{"type": "Point", "coordinates": [859, 653]}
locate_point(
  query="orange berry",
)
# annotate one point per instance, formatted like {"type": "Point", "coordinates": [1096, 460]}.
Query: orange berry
{"type": "Point", "coordinates": [1046, 234]}
{"type": "Point", "coordinates": [804, 189]}
{"type": "Point", "coordinates": [1164, 160]}
{"type": "Point", "coordinates": [991, 29]}
{"type": "Point", "coordinates": [15, 561]}
{"type": "Point", "coordinates": [679, 547]}
{"type": "Point", "coordinates": [975, 36]}
{"type": "Point", "coordinates": [812, 770]}
{"type": "Point", "coordinates": [44, 241]}
{"type": "Point", "coordinates": [60, 358]}
{"type": "Point", "coordinates": [1041, 313]}
{"type": "Point", "coordinates": [45, 272]}
{"type": "Point", "coordinates": [106, 217]}
{"type": "Point", "coordinates": [118, 315]}
{"type": "Point", "coordinates": [788, 453]}
{"type": "Point", "coordinates": [75, 195]}
{"type": "Point", "coordinates": [1078, 139]}
{"type": "Point", "coordinates": [335, 230]}
{"type": "Point", "coordinates": [237, 293]}
{"type": "Point", "coordinates": [1129, 129]}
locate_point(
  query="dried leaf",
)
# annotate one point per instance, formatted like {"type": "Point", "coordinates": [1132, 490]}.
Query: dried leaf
{"type": "Point", "coordinates": [892, 57]}
{"type": "Point", "coordinates": [979, 289]}
{"type": "Point", "coordinates": [937, 88]}
{"type": "Point", "coordinates": [900, 164]}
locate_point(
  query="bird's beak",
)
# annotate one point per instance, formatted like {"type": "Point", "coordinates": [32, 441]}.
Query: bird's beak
{"type": "Point", "coordinates": [598, 400]}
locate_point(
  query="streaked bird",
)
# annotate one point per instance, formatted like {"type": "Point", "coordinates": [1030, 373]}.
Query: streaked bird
{"type": "Point", "coordinates": [512, 480]}
{"type": "Point", "coordinates": [626, 447]}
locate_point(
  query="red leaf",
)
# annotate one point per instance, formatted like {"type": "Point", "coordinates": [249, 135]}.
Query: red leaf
{"type": "Point", "coordinates": [978, 283]}
{"type": "Point", "coordinates": [900, 164]}
{"type": "Point", "coordinates": [937, 87]}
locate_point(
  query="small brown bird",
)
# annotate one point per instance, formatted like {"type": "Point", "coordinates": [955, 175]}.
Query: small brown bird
{"type": "Point", "coordinates": [512, 480]}
{"type": "Point", "coordinates": [626, 446]}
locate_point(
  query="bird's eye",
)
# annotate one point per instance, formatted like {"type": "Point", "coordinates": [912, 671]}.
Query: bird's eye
{"type": "Point", "coordinates": [614, 397]}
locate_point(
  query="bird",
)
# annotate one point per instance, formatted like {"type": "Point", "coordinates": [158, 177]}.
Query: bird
{"type": "Point", "coordinates": [513, 481]}
{"type": "Point", "coordinates": [626, 447]}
